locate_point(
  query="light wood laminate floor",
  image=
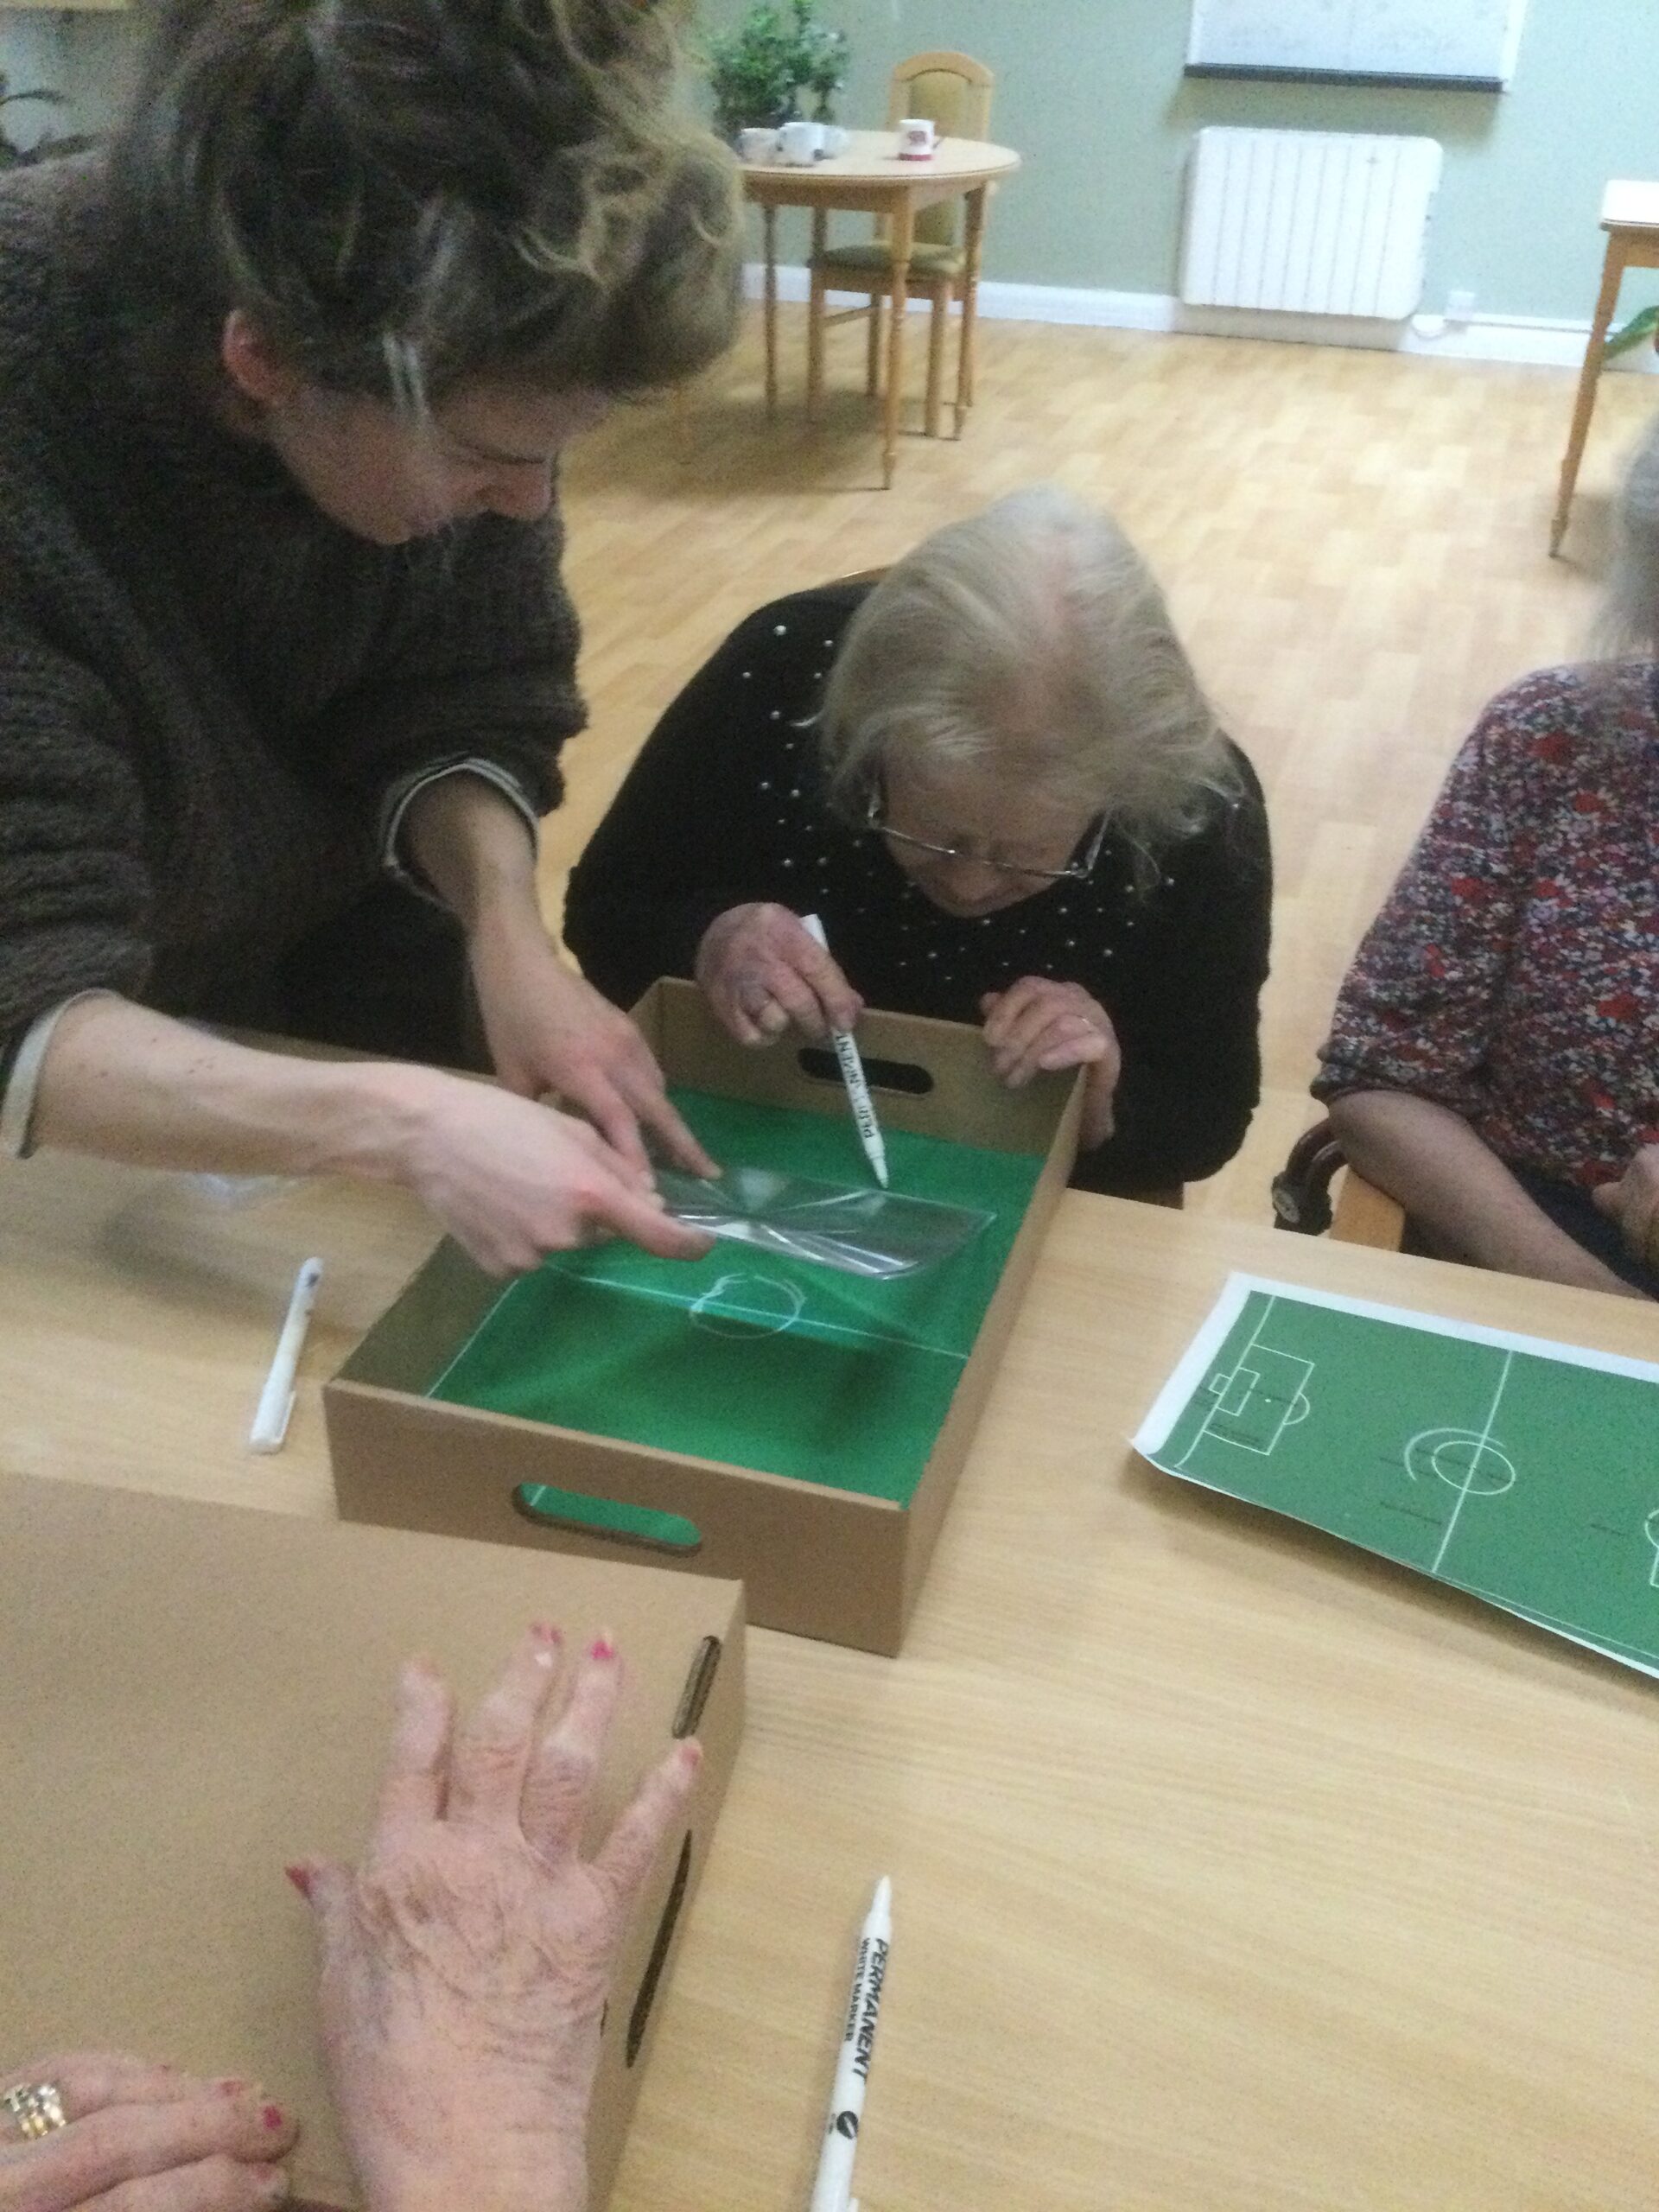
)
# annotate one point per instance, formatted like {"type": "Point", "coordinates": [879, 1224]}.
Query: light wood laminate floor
{"type": "Point", "coordinates": [1354, 544]}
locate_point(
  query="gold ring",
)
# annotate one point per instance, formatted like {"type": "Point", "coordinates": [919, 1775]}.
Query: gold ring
{"type": "Point", "coordinates": [37, 2107]}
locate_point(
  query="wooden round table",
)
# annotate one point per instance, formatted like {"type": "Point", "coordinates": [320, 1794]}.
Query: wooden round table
{"type": "Point", "coordinates": [871, 178]}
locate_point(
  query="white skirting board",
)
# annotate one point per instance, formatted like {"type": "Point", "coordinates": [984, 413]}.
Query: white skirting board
{"type": "Point", "coordinates": [1531, 339]}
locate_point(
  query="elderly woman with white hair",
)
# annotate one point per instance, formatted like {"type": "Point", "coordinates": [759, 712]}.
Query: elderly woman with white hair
{"type": "Point", "coordinates": [993, 777]}
{"type": "Point", "coordinates": [1493, 1061]}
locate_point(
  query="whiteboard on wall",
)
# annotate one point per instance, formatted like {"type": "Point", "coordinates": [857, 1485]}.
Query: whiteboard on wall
{"type": "Point", "coordinates": [1472, 43]}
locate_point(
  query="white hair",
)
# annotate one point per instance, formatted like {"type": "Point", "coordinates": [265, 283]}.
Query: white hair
{"type": "Point", "coordinates": [1629, 621]}
{"type": "Point", "coordinates": [1031, 637]}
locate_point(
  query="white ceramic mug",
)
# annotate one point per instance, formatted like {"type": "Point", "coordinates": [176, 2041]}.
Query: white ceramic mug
{"type": "Point", "coordinates": [756, 145]}
{"type": "Point", "coordinates": [835, 141]}
{"type": "Point", "coordinates": [802, 142]}
{"type": "Point", "coordinates": [916, 140]}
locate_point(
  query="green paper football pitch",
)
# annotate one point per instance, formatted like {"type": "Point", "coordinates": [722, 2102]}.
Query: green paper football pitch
{"type": "Point", "coordinates": [1524, 1472]}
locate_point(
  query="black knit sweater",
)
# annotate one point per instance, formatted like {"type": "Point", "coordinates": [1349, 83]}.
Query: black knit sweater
{"type": "Point", "coordinates": [725, 805]}
{"type": "Point", "coordinates": [205, 686]}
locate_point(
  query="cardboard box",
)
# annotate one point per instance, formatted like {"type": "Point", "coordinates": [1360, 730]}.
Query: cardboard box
{"type": "Point", "coordinates": [196, 1695]}
{"type": "Point", "coordinates": [816, 1561]}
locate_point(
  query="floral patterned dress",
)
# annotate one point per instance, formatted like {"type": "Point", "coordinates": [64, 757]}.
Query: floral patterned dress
{"type": "Point", "coordinates": [1513, 975]}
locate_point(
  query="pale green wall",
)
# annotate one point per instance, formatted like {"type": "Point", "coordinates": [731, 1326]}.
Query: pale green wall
{"type": "Point", "coordinates": [87, 57]}
{"type": "Point", "coordinates": [1091, 92]}
{"type": "Point", "coordinates": [31, 53]}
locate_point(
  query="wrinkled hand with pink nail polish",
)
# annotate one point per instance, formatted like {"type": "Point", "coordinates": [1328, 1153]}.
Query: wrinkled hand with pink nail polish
{"type": "Point", "coordinates": [466, 1962]}
{"type": "Point", "coordinates": [143, 2136]}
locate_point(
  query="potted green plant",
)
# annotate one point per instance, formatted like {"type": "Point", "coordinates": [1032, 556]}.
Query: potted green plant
{"type": "Point", "coordinates": [752, 73]}
{"type": "Point", "coordinates": [759, 70]}
{"type": "Point", "coordinates": [823, 53]}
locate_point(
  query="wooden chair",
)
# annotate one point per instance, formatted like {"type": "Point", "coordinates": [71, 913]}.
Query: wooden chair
{"type": "Point", "coordinates": [1301, 1195]}
{"type": "Point", "coordinates": [955, 91]}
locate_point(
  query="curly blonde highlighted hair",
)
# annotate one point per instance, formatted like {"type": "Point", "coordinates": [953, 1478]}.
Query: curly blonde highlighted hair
{"type": "Point", "coordinates": [402, 194]}
{"type": "Point", "coordinates": [1031, 637]}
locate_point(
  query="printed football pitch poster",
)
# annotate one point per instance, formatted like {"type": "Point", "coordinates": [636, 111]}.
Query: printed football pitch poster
{"type": "Point", "coordinates": [1522, 1472]}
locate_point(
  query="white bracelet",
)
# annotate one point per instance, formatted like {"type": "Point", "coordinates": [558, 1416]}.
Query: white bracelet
{"type": "Point", "coordinates": [22, 1085]}
{"type": "Point", "coordinates": [402, 795]}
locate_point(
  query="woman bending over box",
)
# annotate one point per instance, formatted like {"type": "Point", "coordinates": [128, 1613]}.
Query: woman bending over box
{"type": "Point", "coordinates": [285, 659]}
{"type": "Point", "coordinates": [994, 778]}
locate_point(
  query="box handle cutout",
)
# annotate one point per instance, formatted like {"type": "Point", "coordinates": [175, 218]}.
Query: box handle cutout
{"type": "Point", "coordinates": [639, 2019]}
{"type": "Point", "coordinates": [905, 1075]}
{"type": "Point", "coordinates": [608, 1517]}
{"type": "Point", "coordinates": [705, 1665]}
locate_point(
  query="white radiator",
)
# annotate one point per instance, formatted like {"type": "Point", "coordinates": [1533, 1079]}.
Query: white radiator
{"type": "Point", "coordinates": [1318, 222]}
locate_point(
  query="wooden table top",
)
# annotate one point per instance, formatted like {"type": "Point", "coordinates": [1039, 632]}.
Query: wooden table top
{"type": "Point", "coordinates": [1233, 1872]}
{"type": "Point", "coordinates": [873, 158]}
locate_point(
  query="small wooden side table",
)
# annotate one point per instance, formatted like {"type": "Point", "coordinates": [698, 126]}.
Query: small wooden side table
{"type": "Point", "coordinates": [1629, 215]}
{"type": "Point", "coordinates": [870, 177]}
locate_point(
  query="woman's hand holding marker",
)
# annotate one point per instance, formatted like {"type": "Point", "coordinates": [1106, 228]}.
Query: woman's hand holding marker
{"type": "Point", "coordinates": [762, 971]}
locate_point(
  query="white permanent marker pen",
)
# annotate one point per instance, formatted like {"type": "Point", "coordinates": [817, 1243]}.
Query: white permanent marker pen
{"type": "Point", "coordinates": [852, 1074]}
{"type": "Point", "coordinates": [832, 2191]}
{"type": "Point", "coordinates": [277, 1399]}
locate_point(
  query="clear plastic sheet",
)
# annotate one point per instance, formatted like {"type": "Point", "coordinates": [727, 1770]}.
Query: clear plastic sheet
{"type": "Point", "coordinates": [237, 1192]}
{"type": "Point", "coordinates": [860, 1230]}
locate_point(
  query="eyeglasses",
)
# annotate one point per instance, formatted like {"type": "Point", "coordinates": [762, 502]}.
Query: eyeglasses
{"type": "Point", "coordinates": [1076, 871]}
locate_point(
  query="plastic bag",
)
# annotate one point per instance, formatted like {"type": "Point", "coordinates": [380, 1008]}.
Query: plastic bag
{"type": "Point", "coordinates": [860, 1231]}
